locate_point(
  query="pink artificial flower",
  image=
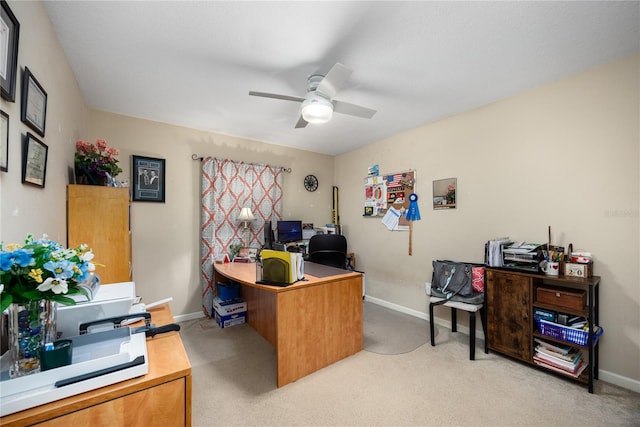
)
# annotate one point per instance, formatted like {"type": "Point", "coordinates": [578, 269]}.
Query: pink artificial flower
{"type": "Point", "coordinates": [101, 144]}
{"type": "Point", "coordinates": [112, 151]}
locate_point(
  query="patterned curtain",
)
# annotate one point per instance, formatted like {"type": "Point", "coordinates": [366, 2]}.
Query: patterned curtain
{"type": "Point", "coordinates": [227, 187]}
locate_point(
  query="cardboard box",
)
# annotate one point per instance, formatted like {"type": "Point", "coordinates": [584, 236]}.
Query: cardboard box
{"type": "Point", "coordinates": [230, 320]}
{"type": "Point", "coordinates": [229, 313]}
{"type": "Point", "coordinates": [232, 306]}
{"type": "Point", "coordinates": [573, 300]}
{"type": "Point", "coordinates": [577, 270]}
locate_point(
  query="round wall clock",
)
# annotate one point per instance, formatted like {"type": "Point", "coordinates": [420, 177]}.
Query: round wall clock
{"type": "Point", "coordinates": [311, 183]}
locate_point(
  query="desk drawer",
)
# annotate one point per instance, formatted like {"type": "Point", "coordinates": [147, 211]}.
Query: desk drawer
{"type": "Point", "coordinates": [574, 300]}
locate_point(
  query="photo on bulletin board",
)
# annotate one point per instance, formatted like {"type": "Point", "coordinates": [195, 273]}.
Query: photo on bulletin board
{"type": "Point", "coordinates": [444, 193]}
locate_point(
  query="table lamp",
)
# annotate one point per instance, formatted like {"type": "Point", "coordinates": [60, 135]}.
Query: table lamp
{"type": "Point", "coordinates": [245, 216]}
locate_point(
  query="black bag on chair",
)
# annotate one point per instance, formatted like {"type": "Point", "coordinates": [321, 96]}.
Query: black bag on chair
{"type": "Point", "coordinates": [453, 281]}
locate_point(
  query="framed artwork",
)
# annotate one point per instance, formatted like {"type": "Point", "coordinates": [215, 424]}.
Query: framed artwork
{"type": "Point", "coordinates": [9, 31]}
{"type": "Point", "coordinates": [34, 103]}
{"type": "Point", "coordinates": [4, 141]}
{"type": "Point", "coordinates": [444, 193]}
{"type": "Point", "coordinates": [34, 161]}
{"type": "Point", "coordinates": [148, 176]}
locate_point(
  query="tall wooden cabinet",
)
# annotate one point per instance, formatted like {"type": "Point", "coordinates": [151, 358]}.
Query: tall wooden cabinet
{"type": "Point", "coordinates": [513, 297]}
{"type": "Point", "coordinates": [99, 217]}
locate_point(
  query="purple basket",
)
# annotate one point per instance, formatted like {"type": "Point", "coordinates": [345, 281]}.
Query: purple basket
{"type": "Point", "coordinates": [564, 333]}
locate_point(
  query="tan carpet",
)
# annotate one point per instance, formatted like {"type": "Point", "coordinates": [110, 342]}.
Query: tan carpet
{"type": "Point", "coordinates": [234, 385]}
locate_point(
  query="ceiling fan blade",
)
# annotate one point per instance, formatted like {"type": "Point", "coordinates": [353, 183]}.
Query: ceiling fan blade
{"type": "Point", "coordinates": [334, 80]}
{"type": "Point", "coordinates": [353, 109]}
{"type": "Point", "coordinates": [276, 96]}
{"type": "Point", "coordinates": [302, 123]}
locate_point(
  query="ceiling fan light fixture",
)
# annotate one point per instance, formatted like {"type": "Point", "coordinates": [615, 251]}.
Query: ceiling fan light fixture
{"type": "Point", "coordinates": [316, 109]}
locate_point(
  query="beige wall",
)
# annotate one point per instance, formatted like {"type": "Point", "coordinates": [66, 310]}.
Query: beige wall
{"type": "Point", "coordinates": [565, 155]}
{"type": "Point", "coordinates": [511, 160]}
{"type": "Point", "coordinates": [165, 236]}
{"type": "Point", "coordinates": [26, 208]}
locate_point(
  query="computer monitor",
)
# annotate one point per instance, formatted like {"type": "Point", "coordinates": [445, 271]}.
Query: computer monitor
{"type": "Point", "coordinates": [268, 235]}
{"type": "Point", "coordinates": [289, 231]}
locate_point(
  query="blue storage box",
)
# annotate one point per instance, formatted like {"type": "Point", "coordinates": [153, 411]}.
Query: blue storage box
{"type": "Point", "coordinates": [227, 291]}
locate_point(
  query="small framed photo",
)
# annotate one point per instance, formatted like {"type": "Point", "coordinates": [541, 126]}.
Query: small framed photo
{"type": "Point", "coordinates": [444, 193]}
{"type": "Point", "coordinates": [34, 161]}
{"type": "Point", "coordinates": [148, 176]}
{"type": "Point", "coordinates": [9, 31]}
{"type": "Point", "coordinates": [4, 141]}
{"type": "Point", "coordinates": [34, 103]}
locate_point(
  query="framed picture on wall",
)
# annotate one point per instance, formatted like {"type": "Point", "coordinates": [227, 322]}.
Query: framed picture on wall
{"type": "Point", "coordinates": [34, 161]}
{"type": "Point", "coordinates": [9, 31]}
{"type": "Point", "coordinates": [444, 193]}
{"type": "Point", "coordinates": [4, 141]}
{"type": "Point", "coordinates": [148, 176]}
{"type": "Point", "coordinates": [34, 103]}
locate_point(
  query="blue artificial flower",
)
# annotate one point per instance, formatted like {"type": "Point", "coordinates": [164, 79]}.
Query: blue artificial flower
{"type": "Point", "coordinates": [61, 269]}
{"type": "Point", "coordinates": [6, 260]}
{"type": "Point", "coordinates": [23, 257]}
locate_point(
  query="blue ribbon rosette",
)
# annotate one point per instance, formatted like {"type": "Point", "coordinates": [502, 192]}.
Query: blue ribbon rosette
{"type": "Point", "coordinates": [413, 213]}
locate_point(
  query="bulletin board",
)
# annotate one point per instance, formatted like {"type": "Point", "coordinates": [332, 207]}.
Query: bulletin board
{"type": "Point", "coordinates": [392, 190]}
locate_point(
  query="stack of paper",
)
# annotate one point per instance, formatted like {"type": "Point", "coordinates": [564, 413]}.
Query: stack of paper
{"type": "Point", "coordinates": [494, 251]}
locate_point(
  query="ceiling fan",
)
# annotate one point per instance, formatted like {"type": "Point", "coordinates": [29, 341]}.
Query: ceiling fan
{"type": "Point", "coordinates": [318, 104]}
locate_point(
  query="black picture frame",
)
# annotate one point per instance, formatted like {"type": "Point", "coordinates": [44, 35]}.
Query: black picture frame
{"type": "Point", "coordinates": [9, 34]}
{"type": "Point", "coordinates": [33, 111]}
{"type": "Point", "coordinates": [148, 174]}
{"type": "Point", "coordinates": [34, 161]}
{"type": "Point", "coordinates": [4, 141]}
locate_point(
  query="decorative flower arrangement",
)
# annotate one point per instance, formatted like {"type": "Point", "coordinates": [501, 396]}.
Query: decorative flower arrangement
{"type": "Point", "coordinates": [97, 158]}
{"type": "Point", "coordinates": [451, 194]}
{"type": "Point", "coordinates": [42, 270]}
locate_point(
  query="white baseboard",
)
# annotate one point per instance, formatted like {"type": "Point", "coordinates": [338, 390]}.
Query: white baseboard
{"type": "Point", "coordinates": [610, 377]}
{"type": "Point", "coordinates": [189, 316]}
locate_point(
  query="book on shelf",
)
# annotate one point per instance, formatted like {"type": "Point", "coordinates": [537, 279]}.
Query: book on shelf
{"type": "Point", "coordinates": [557, 363]}
{"type": "Point", "coordinates": [558, 348]}
{"type": "Point", "coordinates": [572, 356]}
{"type": "Point", "coordinates": [581, 367]}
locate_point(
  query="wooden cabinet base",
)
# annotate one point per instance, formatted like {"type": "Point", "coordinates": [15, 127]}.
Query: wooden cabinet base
{"type": "Point", "coordinates": [512, 298]}
{"type": "Point", "coordinates": [137, 409]}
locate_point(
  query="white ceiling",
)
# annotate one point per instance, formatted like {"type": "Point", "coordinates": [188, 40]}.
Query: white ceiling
{"type": "Point", "coordinates": [193, 63]}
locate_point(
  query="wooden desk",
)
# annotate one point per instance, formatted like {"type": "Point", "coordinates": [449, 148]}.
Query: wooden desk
{"type": "Point", "coordinates": [311, 323]}
{"type": "Point", "coordinates": [160, 398]}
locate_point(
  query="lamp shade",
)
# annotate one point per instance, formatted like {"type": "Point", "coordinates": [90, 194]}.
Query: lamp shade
{"type": "Point", "coordinates": [316, 109]}
{"type": "Point", "coordinates": [246, 215]}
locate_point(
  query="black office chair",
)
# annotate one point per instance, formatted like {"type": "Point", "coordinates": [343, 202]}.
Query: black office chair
{"type": "Point", "coordinates": [328, 249]}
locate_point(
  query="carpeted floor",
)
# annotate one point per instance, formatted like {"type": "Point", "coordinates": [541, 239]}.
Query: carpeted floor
{"type": "Point", "coordinates": [234, 384]}
{"type": "Point", "coordinates": [388, 331]}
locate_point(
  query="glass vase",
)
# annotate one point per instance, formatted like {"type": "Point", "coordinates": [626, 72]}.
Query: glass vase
{"type": "Point", "coordinates": [31, 325]}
